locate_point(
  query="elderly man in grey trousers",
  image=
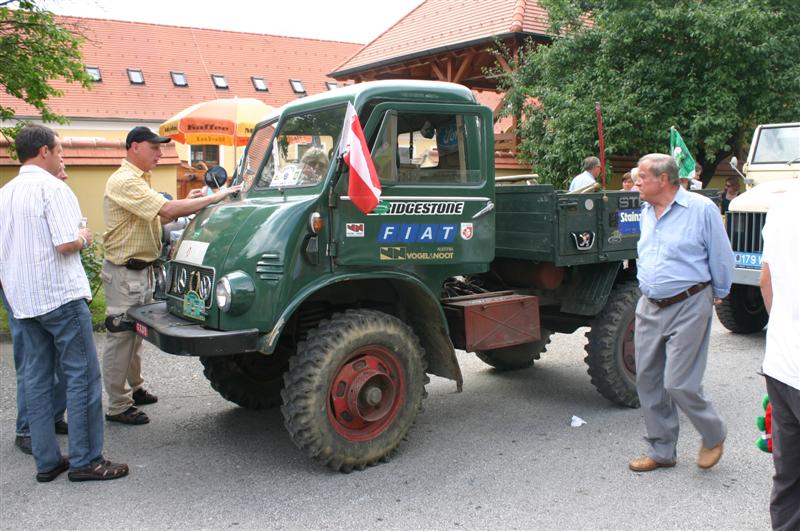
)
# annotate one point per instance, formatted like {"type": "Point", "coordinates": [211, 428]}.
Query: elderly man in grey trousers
{"type": "Point", "coordinates": [684, 267]}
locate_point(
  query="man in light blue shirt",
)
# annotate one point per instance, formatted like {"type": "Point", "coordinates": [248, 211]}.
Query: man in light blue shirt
{"type": "Point", "coordinates": [591, 169]}
{"type": "Point", "coordinates": [684, 267]}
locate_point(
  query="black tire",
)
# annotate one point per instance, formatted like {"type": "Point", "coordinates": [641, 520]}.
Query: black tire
{"type": "Point", "coordinates": [251, 380]}
{"type": "Point", "coordinates": [516, 357]}
{"type": "Point", "coordinates": [743, 310]}
{"type": "Point", "coordinates": [611, 355]}
{"type": "Point", "coordinates": [354, 389]}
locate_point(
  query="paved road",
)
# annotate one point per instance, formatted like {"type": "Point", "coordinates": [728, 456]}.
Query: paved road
{"type": "Point", "coordinates": [499, 455]}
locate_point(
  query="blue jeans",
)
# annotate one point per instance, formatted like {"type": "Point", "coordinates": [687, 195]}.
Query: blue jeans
{"type": "Point", "coordinates": [60, 393]}
{"type": "Point", "coordinates": [63, 336]}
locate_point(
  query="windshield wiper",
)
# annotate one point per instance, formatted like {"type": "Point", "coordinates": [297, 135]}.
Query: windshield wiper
{"type": "Point", "coordinates": [796, 159]}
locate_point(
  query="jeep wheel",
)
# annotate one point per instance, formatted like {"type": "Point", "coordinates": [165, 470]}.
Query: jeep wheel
{"type": "Point", "coordinates": [354, 389]}
{"type": "Point", "coordinates": [251, 380]}
{"type": "Point", "coordinates": [743, 310]}
{"type": "Point", "coordinates": [516, 357]}
{"type": "Point", "coordinates": [611, 353]}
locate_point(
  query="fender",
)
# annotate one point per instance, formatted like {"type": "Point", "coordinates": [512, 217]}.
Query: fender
{"type": "Point", "coordinates": [427, 320]}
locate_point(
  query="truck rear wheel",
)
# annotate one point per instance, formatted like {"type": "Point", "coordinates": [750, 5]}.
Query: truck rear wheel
{"type": "Point", "coordinates": [743, 310]}
{"type": "Point", "coordinates": [611, 352]}
{"type": "Point", "coordinates": [354, 389]}
{"type": "Point", "coordinates": [250, 380]}
{"type": "Point", "coordinates": [516, 357]}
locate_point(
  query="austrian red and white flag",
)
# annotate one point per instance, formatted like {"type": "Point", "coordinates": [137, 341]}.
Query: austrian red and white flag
{"type": "Point", "coordinates": [364, 188]}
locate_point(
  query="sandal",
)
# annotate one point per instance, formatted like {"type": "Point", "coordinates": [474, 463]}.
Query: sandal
{"type": "Point", "coordinates": [50, 475]}
{"type": "Point", "coordinates": [100, 472]}
{"type": "Point", "coordinates": [130, 416]}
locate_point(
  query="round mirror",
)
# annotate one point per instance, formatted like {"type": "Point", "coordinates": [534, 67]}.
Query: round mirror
{"type": "Point", "coordinates": [734, 162]}
{"type": "Point", "coordinates": [215, 177]}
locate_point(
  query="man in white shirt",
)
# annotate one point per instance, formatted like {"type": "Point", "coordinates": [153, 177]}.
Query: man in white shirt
{"type": "Point", "coordinates": [591, 169]}
{"type": "Point", "coordinates": [780, 286]}
{"type": "Point", "coordinates": [47, 289]}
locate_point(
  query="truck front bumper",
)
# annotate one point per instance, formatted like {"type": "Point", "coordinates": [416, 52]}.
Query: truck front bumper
{"type": "Point", "coordinates": [176, 335]}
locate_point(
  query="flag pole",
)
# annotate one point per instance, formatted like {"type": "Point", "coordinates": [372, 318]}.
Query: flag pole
{"type": "Point", "coordinates": [602, 143]}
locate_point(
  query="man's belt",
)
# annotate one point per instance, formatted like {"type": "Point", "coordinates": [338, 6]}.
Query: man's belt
{"type": "Point", "coordinates": [137, 265]}
{"type": "Point", "coordinates": [682, 296]}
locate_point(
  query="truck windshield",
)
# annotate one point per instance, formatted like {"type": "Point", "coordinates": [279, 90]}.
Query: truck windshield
{"type": "Point", "coordinates": [777, 145]}
{"type": "Point", "coordinates": [297, 155]}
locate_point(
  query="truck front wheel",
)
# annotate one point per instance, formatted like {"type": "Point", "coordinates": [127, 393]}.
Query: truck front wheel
{"type": "Point", "coordinates": [611, 352]}
{"type": "Point", "coordinates": [516, 357]}
{"type": "Point", "coordinates": [250, 380]}
{"type": "Point", "coordinates": [354, 389]}
{"type": "Point", "coordinates": [743, 310]}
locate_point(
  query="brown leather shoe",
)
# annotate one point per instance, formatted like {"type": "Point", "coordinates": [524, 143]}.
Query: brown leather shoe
{"type": "Point", "coordinates": [647, 464]}
{"type": "Point", "coordinates": [709, 457]}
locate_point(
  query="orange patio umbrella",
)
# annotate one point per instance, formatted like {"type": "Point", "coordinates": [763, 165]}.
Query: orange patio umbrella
{"type": "Point", "coordinates": [222, 122]}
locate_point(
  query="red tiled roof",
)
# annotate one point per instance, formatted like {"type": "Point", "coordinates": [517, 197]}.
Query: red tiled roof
{"type": "Point", "coordinates": [90, 152]}
{"type": "Point", "coordinates": [442, 24]}
{"type": "Point", "coordinates": [115, 46]}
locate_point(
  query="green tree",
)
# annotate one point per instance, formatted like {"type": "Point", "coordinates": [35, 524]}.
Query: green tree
{"type": "Point", "coordinates": [713, 68]}
{"type": "Point", "coordinates": [35, 49]}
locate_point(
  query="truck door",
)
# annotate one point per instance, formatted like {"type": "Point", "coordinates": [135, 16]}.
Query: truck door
{"type": "Point", "coordinates": [436, 167]}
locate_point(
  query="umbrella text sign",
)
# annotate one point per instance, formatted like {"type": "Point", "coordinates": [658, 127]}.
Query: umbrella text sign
{"type": "Point", "coordinates": [223, 122]}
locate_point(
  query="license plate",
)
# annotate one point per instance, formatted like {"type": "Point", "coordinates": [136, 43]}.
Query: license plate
{"type": "Point", "coordinates": [141, 329]}
{"type": "Point", "coordinates": [747, 260]}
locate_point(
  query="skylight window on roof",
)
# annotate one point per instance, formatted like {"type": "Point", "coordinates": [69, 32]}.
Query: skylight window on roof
{"type": "Point", "coordinates": [259, 84]}
{"type": "Point", "coordinates": [94, 73]}
{"type": "Point", "coordinates": [219, 81]}
{"type": "Point", "coordinates": [331, 85]}
{"type": "Point", "coordinates": [135, 76]}
{"type": "Point", "coordinates": [297, 86]}
{"type": "Point", "coordinates": [179, 79]}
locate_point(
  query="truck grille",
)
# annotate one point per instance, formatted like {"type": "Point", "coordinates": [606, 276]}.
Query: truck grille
{"type": "Point", "coordinates": [744, 230]}
{"type": "Point", "coordinates": [184, 277]}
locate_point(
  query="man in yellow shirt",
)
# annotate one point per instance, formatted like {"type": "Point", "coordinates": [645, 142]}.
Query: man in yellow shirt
{"type": "Point", "coordinates": [134, 213]}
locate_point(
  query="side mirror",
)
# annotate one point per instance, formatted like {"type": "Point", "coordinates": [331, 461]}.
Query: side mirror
{"type": "Point", "coordinates": [216, 177]}
{"type": "Point", "coordinates": [735, 165]}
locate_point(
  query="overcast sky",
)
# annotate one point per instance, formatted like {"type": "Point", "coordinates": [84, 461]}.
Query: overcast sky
{"type": "Point", "coordinates": [342, 20]}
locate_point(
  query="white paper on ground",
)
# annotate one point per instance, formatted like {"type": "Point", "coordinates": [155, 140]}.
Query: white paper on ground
{"type": "Point", "coordinates": [577, 422]}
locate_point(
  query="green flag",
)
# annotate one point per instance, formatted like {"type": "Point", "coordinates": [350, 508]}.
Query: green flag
{"type": "Point", "coordinates": [681, 155]}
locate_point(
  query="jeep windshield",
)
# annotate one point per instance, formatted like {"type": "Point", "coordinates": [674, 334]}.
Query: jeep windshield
{"type": "Point", "coordinates": [776, 145]}
{"type": "Point", "coordinates": [297, 155]}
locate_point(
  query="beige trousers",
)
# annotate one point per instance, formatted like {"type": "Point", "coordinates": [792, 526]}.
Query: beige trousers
{"type": "Point", "coordinates": [122, 361]}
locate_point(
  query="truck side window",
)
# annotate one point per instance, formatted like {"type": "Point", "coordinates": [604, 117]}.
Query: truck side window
{"type": "Point", "coordinates": [256, 151]}
{"type": "Point", "coordinates": [422, 148]}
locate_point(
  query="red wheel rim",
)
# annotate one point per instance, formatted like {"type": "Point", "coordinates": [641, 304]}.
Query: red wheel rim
{"type": "Point", "coordinates": [366, 393]}
{"type": "Point", "coordinates": [629, 350]}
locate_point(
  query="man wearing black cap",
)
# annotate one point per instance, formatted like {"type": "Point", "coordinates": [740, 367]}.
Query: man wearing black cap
{"type": "Point", "coordinates": [134, 213]}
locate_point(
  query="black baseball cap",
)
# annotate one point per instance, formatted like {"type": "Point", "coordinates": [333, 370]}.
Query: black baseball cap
{"type": "Point", "coordinates": [143, 134]}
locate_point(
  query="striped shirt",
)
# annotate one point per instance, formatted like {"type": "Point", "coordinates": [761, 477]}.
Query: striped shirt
{"type": "Point", "coordinates": [38, 212]}
{"type": "Point", "coordinates": [130, 209]}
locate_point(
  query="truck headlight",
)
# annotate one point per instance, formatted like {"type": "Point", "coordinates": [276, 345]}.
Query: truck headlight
{"type": "Point", "coordinates": [235, 292]}
{"type": "Point", "coordinates": [223, 293]}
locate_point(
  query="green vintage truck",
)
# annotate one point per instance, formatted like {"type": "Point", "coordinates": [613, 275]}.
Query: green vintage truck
{"type": "Point", "coordinates": [291, 296]}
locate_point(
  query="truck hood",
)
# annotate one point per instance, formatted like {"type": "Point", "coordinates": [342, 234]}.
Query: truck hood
{"type": "Point", "coordinates": [759, 198]}
{"type": "Point", "coordinates": [246, 225]}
